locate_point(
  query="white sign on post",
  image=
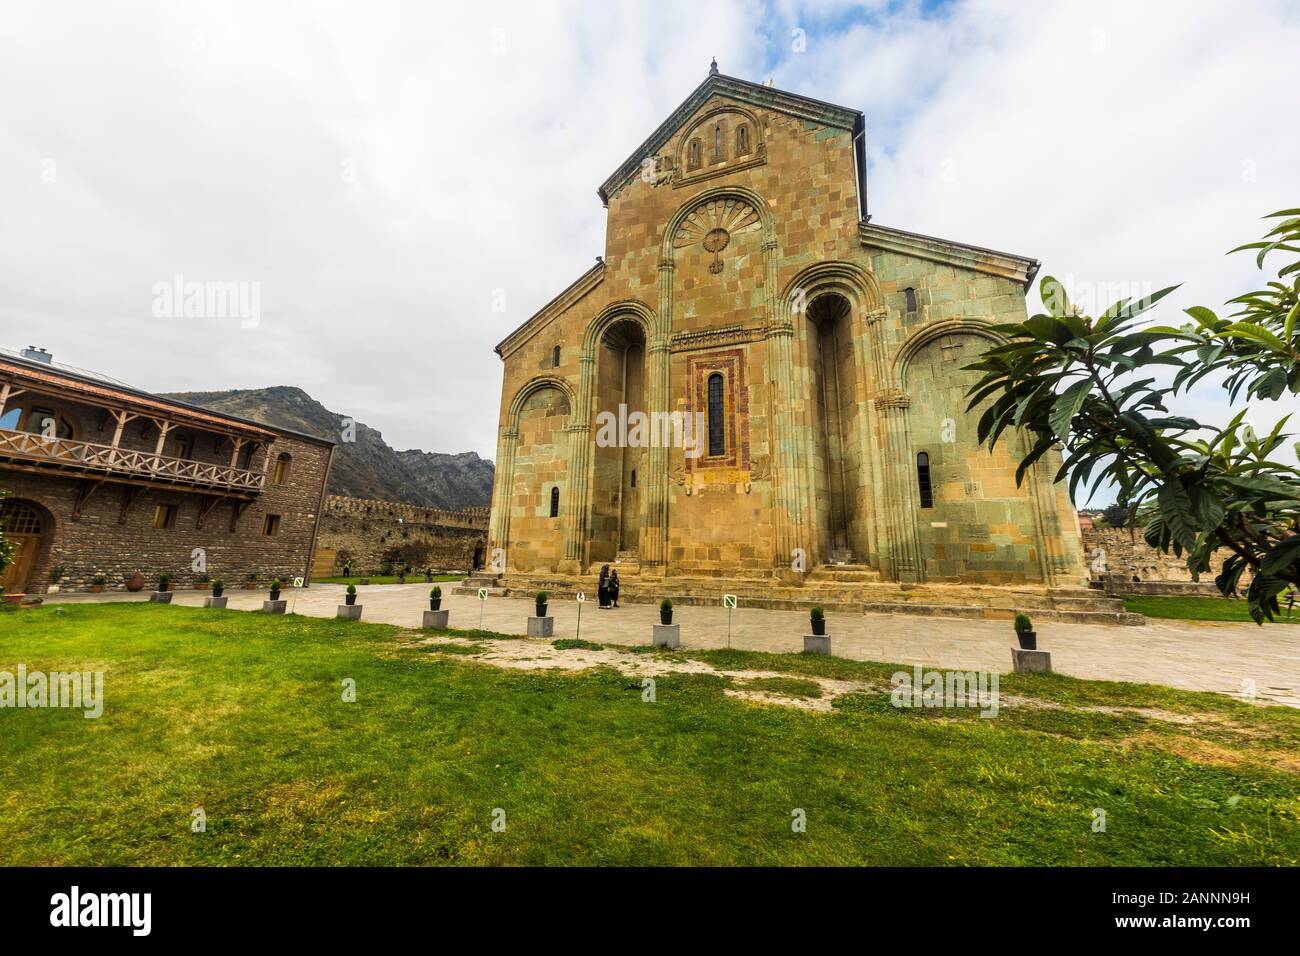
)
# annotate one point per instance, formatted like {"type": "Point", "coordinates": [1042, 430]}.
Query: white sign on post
{"type": "Point", "coordinates": [482, 594]}
{"type": "Point", "coordinates": [728, 600]}
{"type": "Point", "coordinates": [581, 597]}
{"type": "Point", "coordinates": [297, 582]}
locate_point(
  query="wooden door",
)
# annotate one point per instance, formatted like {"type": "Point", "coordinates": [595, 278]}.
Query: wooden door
{"type": "Point", "coordinates": [18, 576]}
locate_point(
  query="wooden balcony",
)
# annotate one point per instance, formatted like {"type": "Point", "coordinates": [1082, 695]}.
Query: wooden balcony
{"type": "Point", "coordinates": [78, 459]}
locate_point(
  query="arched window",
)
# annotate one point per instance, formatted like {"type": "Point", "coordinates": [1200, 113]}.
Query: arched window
{"type": "Point", "coordinates": [742, 140]}
{"type": "Point", "coordinates": [923, 480]}
{"type": "Point", "coordinates": [717, 142]}
{"type": "Point", "coordinates": [281, 473]}
{"type": "Point", "coordinates": [717, 420]}
{"type": "Point", "coordinates": [17, 518]}
{"type": "Point", "coordinates": [555, 502]}
{"type": "Point", "coordinates": [693, 155]}
{"type": "Point", "coordinates": [910, 296]}
{"type": "Point", "coordinates": [555, 357]}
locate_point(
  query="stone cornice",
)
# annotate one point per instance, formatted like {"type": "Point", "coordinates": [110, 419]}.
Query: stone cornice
{"type": "Point", "coordinates": [711, 338]}
{"type": "Point", "coordinates": [1004, 265]}
{"type": "Point", "coordinates": [584, 284]}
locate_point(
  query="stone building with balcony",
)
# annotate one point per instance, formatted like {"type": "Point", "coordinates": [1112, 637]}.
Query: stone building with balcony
{"type": "Point", "coordinates": [104, 479]}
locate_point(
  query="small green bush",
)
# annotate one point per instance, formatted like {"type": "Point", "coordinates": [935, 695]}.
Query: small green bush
{"type": "Point", "coordinates": [218, 583]}
{"type": "Point", "coordinates": [1023, 624]}
{"type": "Point", "coordinates": [352, 589]}
{"type": "Point", "coordinates": [541, 597]}
{"type": "Point", "coordinates": [276, 585]}
{"type": "Point", "coordinates": [436, 592]}
{"type": "Point", "coordinates": [665, 605]}
{"type": "Point", "coordinates": [99, 580]}
{"type": "Point", "coordinates": [817, 614]}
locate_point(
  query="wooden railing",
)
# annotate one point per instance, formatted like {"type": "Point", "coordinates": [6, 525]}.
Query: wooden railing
{"type": "Point", "coordinates": [124, 463]}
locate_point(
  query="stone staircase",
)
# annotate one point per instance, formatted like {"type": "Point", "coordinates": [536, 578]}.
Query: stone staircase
{"type": "Point", "coordinates": [854, 589]}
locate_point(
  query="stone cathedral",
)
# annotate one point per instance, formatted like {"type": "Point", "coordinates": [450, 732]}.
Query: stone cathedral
{"type": "Point", "coordinates": [745, 288]}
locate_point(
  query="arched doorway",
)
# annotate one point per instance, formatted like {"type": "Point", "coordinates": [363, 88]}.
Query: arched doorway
{"type": "Point", "coordinates": [28, 529]}
{"type": "Point", "coordinates": [838, 453]}
{"type": "Point", "coordinates": [620, 391]}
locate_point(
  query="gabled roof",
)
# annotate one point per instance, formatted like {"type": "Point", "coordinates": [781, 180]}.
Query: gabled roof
{"type": "Point", "coordinates": [755, 94]}
{"type": "Point", "coordinates": [1004, 265]}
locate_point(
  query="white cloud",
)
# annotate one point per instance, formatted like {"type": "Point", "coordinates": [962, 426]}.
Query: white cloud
{"type": "Point", "coordinates": [380, 169]}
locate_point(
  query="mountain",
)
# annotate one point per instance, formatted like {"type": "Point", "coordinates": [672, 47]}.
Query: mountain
{"type": "Point", "coordinates": [367, 467]}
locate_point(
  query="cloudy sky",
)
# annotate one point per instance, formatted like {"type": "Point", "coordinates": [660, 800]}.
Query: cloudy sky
{"type": "Point", "coordinates": [386, 171]}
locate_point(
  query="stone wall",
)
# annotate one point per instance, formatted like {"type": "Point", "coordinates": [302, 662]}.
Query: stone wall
{"type": "Point", "coordinates": [364, 529]}
{"type": "Point", "coordinates": [1132, 555]}
{"type": "Point", "coordinates": [114, 541]}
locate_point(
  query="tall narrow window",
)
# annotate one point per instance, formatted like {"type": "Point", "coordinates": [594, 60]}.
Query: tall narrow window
{"type": "Point", "coordinates": [184, 445]}
{"type": "Point", "coordinates": [923, 480]}
{"type": "Point", "coordinates": [555, 502]}
{"type": "Point", "coordinates": [742, 140]}
{"type": "Point", "coordinates": [271, 525]}
{"type": "Point", "coordinates": [555, 357]}
{"type": "Point", "coordinates": [164, 516]}
{"type": "Point", "coordinates": [910, 296]}
{"type": "Point", "coordinates": [693, 155]}
{"type": "Point", "coordinates": [717, 143]}
{"type": "Point", "coordinates": [281, 473]}
{"type": "Point", "coordinates": [717, 418]}
{"type": "Point", "coordinates": [633, 482]}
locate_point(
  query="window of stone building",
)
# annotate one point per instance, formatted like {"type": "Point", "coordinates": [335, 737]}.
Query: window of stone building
{"type": "Point", "coordinates": [555, 502]}
{"type": "Point", "coordinates": [742, 140]}
{"type": "Point", "coordinates": [923, 480]}
{"type": "Point", "coordinates": [164, 516]}
{"type": "Point", "coordinates": [271, 525]}
{"type": "Point", "coordinates": [717, 143]}
{"type": "Point", "coordinates": [693, 155]}
{"type": "Point", "coordinates": [910, 296]}
{"type": "Point", "coordinates": [717, 415]}
{"type": "Point", "coordinates": [46, 421]}
{"type": "Point", "coordinates": [555, 357]}
{"type": "Point", "coordinates": [184, 445]}
{"type": "Point", "coordinates": [281, 473]}
{"type": "Point", "coordinates": [633, 478]}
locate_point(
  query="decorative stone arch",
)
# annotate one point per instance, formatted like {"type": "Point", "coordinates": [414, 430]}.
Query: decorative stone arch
{"type": "Point", "coordinates": [848, 278]}
{"type": "Point", "coordinates": [923, 337]}
{"type": "Point", "coordinates": [531, 387]}
{"type": "Point", "coordinates": [622, 311]}
{"type": "Point", "coordinates": [759, 204]}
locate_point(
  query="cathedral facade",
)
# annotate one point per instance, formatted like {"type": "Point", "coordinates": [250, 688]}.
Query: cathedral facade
{"type": "Point", "coordinates": [797, 369]}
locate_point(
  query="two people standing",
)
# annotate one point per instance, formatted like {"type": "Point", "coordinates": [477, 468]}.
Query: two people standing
{"type": "Point", "coordinates": [607, 590]}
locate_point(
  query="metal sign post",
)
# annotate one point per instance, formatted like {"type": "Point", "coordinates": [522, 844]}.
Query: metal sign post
{"type": "Point", "coordinates": [729, 602]}
{"type": "Point", "coordinates": [482, 603]}
{"type": "Point", "coordinates": [582, 599]}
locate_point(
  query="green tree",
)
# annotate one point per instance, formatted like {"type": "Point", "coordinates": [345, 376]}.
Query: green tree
{"type": "Point", "coordinates": [1116, 516]}
{"type": "Point", "coordinates": [1083, 382]}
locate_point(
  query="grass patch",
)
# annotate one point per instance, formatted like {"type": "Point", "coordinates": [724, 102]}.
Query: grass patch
{"type": "Point", "coordinates": [786, 686]}
{"type": "Point", "coordinates": [1198, 608]}
{"type": "Point", "coordinates": [243, 714]}
{"type": "Point", "coordinates": [576, 643]}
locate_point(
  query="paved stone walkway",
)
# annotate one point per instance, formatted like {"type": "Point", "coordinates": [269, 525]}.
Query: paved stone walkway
{"type": "Point", "coordinates": [1192, 655]}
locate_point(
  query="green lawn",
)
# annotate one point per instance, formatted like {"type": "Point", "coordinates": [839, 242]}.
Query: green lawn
{"type": "Point", "coordinates": [1197, 608]}
{"type": "Point", "coordinates": [391, 579]}
{"type": "Point", "coordinates": [241, 714]}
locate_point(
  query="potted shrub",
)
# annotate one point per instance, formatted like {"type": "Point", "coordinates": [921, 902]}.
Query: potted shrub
{"type": "Point", "coordinates": [275, 589]}
{"type": "Point", "coordinates": [817, 617]}
{"type": "Point", "coordinates": [351, 597]}
{"type": "Point", "coordinates": [204, 582]}
{"type": "Point", "coordinates": [1025, 632]}
{"type": "Point", "coordinates": [665, 611]}
{"type": "Point", "coordinates": [250, 582]}
{"type": "Point", "coordinates": [435, 599]}
{"type": "Point", "coordinates": [541, 604]}
{"type": "Point", "coordinates": [218, 587]}
{"type": "Point", "coordinates": [97, 583]}
{"type": "Point", "coordinates": [164, 582]}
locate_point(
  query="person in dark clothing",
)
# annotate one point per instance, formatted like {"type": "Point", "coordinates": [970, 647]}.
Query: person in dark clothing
{"type": "Point", "coordinates": [602, 589]}
{"type": "Point", "coordinates": [613, 588]}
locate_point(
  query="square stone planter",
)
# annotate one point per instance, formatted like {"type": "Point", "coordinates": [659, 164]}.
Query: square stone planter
{"type": "Point", "coordinates": [436, 619]}
{"type": "Point", "coordinates": [1031, 662]}
{"type": "Point", "coordinates": [817, 644]}
{"type": "Point", "coordinates": [215, 602]}
{"type": "Point", "coordinates": [274, 607]}
{"type": "Point", "coordinates": [161, 597]}
{"type": "Point", "coordinates": [541, 626]}
{"type": "Point", "coordinates": [349, 612]}
{"type": "Point", "coordinates": [666, 635]}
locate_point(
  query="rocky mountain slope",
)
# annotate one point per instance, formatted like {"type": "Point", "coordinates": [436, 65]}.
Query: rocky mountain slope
{"type": "Point", "coordinates": [368, 467]}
